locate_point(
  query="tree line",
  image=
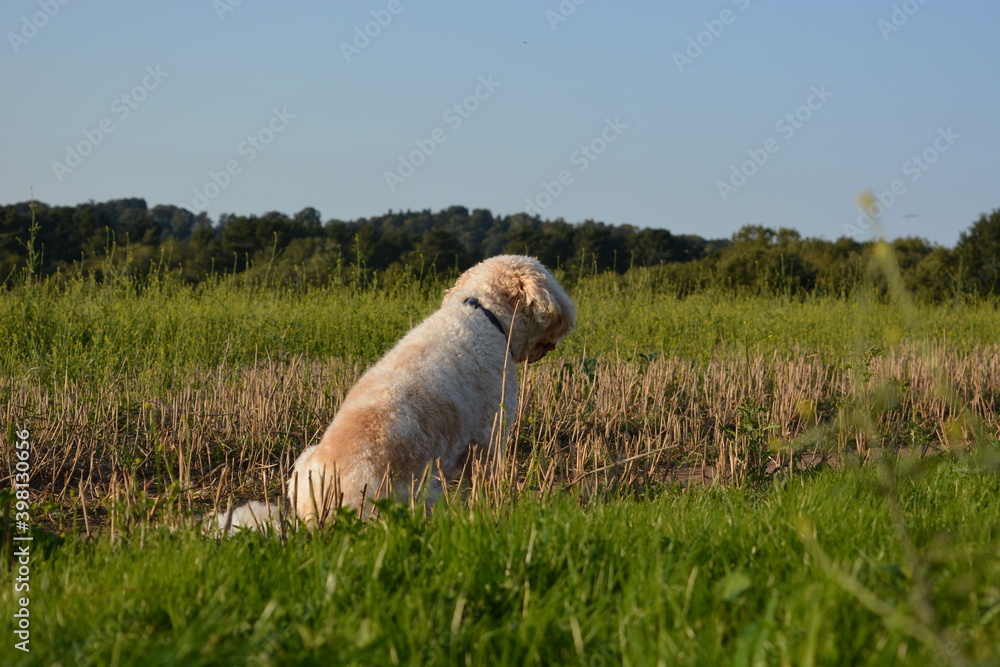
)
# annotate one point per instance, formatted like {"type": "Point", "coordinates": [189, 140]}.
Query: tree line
{"type": "Point", "coordinates": [89, 238]}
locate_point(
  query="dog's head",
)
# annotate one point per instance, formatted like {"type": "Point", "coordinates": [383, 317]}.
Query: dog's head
{"type": "Point", "coordinates": [519, 289]}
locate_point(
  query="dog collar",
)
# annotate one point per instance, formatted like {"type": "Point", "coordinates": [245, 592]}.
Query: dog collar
{"type": "Point", "coordinates": [474, 302]}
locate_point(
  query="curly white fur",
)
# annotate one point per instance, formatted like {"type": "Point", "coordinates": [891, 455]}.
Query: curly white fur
{"type": "Point", "coordinates": [446, 391]}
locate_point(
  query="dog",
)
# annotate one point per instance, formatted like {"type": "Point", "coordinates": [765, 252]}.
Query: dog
{"type": "Point", "coordinates": [443, 396]}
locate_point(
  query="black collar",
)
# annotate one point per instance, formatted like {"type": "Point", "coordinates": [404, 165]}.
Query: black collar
{"type": "Point", "coordinates": [474, 302]}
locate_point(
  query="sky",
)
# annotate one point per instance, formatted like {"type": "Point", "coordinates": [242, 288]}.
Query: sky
{"type": "Point", "coordinates": [697, 117]}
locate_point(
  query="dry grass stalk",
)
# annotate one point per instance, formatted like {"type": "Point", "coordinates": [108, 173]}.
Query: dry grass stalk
{"type": "Point", "coordinates": [613, 425]}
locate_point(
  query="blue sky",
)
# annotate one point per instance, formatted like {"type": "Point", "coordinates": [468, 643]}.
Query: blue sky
{"type": "Point", "coordinates": [694, 117]}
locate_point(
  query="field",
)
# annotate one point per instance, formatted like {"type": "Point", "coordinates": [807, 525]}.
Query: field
{"type": "Point", "coordinates": [715, 479]}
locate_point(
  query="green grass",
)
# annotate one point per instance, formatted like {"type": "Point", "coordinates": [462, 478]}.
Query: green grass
{"type": "Point", "coordinates": [828, 567]}
{"type": "Point", "coordinates": [83, 329]}
{"type": "Point", "coordinates": [705, 577]}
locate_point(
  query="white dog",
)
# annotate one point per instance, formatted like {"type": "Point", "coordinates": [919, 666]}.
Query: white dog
{"type": "Point", "coordinates": [441, 396]}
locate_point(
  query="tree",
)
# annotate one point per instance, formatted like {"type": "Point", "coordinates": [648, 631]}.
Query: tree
{"type": "Point", "coordinates": [309, 220]}
{"type": "Point", "coordinates": [438, 250]}
{"type": "Point", "coordinates": [762, 258]}
{"type": "Point", "coordinates": [978, 254]}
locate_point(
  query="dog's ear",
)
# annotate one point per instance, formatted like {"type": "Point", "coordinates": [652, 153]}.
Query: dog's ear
{"type": "Point", "coordinates": [532, 290]}
{"type": "Point", "coordinates": [538, 295]}
{"type": "Point", "coordinates": [516, 288]}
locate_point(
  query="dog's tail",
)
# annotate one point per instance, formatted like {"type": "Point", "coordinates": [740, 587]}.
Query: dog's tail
{"type": "Point", "coordinates": [262, 517]}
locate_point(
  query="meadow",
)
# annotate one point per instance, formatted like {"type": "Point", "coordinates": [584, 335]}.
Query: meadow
{"type": "Point", "coordinates": [713, 478]}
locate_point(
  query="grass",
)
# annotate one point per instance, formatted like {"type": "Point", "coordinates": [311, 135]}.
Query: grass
{"type": "Point", "coordinates": [133, 392]}
{"type": "Point", "coordinates": [715, 479]}
{"type": "Point", "coordinates": [706, 576]}
{"type": "Point", "coordinates": [78, 328]}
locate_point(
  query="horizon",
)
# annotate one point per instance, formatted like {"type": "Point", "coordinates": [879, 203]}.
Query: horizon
{"type": "Point", "coordinates": [217, 220]}
{"type": "Point", "coordinates": [699, 120]}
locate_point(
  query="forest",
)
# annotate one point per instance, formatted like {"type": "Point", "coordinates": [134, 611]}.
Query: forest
{"type": "Point", "coordinates": [303, 249]}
